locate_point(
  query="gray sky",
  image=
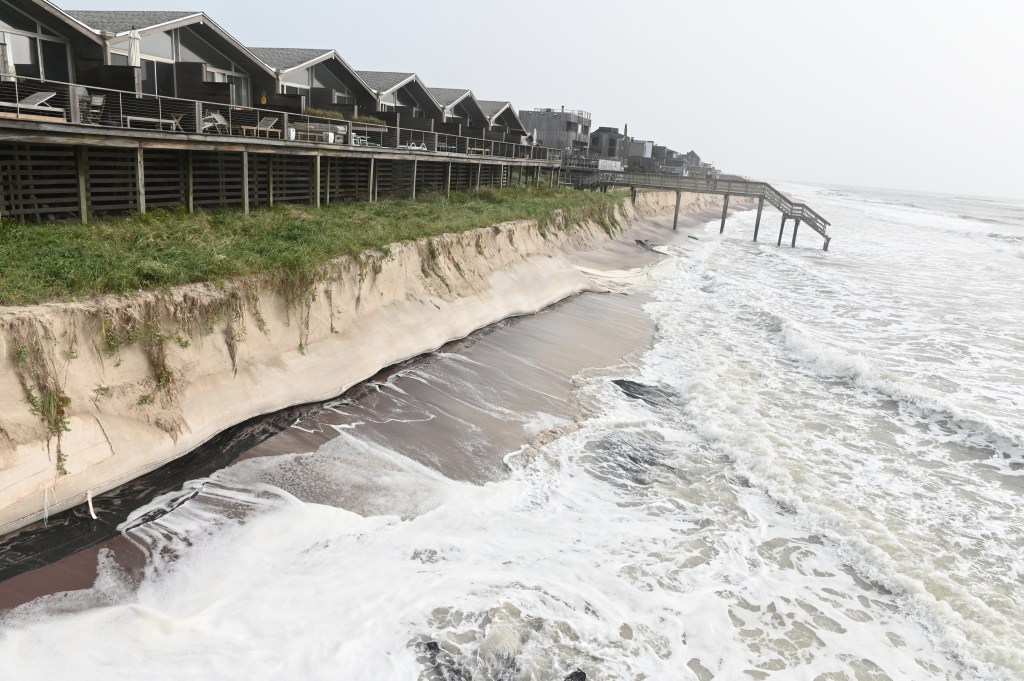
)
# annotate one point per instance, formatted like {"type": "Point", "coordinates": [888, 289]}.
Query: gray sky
{"type": "Point", "coordinates": [912, 95]}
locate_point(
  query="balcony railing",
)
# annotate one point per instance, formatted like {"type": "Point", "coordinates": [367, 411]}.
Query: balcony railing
{"type": "Point", "coordinates": [55, 102]}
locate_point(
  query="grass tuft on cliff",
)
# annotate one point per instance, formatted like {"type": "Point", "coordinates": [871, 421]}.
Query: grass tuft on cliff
{"type": "Point", "coordinates": [120, 255]}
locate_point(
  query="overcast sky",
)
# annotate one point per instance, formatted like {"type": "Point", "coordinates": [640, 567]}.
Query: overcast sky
{"type": "Point", "coordinates": [909, 95]}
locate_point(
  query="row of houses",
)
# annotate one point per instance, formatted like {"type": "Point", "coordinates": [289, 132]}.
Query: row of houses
{"type": "Point", "coordinates": [571, 132]}
{"type": "Point", "coordinates": [188, 55]}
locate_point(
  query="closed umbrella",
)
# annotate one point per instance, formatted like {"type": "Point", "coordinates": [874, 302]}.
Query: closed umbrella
{"type": "Point", "coordinates": [134, 55]}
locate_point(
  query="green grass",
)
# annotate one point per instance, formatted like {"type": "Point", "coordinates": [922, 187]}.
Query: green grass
{"type": "Point", "coordinates": [68, 260]}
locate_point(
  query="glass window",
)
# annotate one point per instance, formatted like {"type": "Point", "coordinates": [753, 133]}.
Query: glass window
{"type": "Point", "coordinates": [12, 18]}
{"type": "Point", "coordinates": [323, 77]}
{"type": "Point", "coordinates": [164, 79]}
{"type": "Point", "coordinates": [55, 61]}
{"type": "Point", "coordinates": [148, 77]}
{"type": "Point", "coordinates": [239, 90]}
{"type": "Point", "coordinates": [118, 59]}
{"type": "Point", "coordinates": [300, 78]}
{"type": "Point", "coordinates": [158, 45]}
{"type": "Point", "coordinates": [24, 55]}
{"type": "Point", "coordinates": [192, 48]}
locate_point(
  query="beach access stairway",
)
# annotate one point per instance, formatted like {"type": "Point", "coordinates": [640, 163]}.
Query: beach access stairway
{"type": "Point", "coordinates": [725, 186]}
{"type": "Point", "coordinates": [799, 212]}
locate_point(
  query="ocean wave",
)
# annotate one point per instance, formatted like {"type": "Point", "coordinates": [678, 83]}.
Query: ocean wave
{"type": "Point", "coordinates": [830, 361]}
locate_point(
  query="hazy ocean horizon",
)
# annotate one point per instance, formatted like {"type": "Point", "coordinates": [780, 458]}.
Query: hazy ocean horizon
{"type": "Point", "coordinates": [818, 473]}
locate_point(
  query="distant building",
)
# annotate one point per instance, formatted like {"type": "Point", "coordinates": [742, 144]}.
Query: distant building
{"type": "Point", "coordinates": [565, 130]}
{"type": "Point", "coordinates": [606, 142]}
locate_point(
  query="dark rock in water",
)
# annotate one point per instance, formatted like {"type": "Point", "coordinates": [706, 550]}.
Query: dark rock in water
{"type": "Point", "coordinates": [578, 675]}
{"type": "Point", "coordinates": [644, 243]}
{"type": "Point", "coordinates": [446, 667]}
{"type": "Point", "coordinates": [656, 397]}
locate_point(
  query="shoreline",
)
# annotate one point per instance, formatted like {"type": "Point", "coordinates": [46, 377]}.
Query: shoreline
{"type": "Point", "coordinates": [138, 382]}
{"type": "Point", "coordinates": [521, 336]}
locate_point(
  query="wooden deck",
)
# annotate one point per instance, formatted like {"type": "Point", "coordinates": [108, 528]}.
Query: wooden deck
{"type": "Point", "coordinates": [55, 170]}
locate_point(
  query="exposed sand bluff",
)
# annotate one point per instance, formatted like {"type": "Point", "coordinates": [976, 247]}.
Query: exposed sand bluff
{"type": "Point", "coordinates": [212, 356]}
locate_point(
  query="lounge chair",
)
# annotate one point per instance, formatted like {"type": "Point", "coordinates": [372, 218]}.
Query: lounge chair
{"type": "Point", "coordinates": [36, 103]}
{"type": "Point", "coordinates": [265, 126]}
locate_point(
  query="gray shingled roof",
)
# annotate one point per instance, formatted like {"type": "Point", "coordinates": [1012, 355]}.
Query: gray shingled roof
{"type": "Point", "coordinates": [383, 81]}
{"type": "Point", "coordinates": [121, 21]}
{"type": "Point", "coordinates": [287, 57]}
{"type": "Point", "coordinates": [446, 96]}
{"type": "Point", "coordinates": [490, 107]}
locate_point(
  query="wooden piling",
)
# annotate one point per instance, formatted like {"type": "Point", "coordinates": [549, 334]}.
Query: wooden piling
{"type": "Point", "coordinates": [245, 182]}
{"type": "Point", "coordinates": [82, 168]}
{"type": "Point", "coordinates": [675, 218]}
{"type": "Point", "coordinates": [796, 226]}
{"type": "Point", "coordinates": [316, 180]}
{"type": "Point", "coordinates": [757, 222]}
{"type": "Point", "coordinates": [782, 228]}
{"type": "Point", "coordinates": [725, 212]}
{"type": "Point", "coordinates": [140, 180]}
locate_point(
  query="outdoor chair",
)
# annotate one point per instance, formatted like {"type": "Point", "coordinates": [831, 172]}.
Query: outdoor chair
{"type": "Point", "coordinates": [36, 102]}
{"type": "Point", "coordinates": [91, 108]}
{"type": "Point", "coordinates": [214, 119]}
{"type": "Point", "coordinates": [265, 127]}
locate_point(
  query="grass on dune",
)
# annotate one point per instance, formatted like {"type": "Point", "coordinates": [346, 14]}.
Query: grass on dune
{"type": "Point", "coordinates": [68, 260]}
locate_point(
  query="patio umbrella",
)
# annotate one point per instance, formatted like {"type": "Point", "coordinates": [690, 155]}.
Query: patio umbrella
{"type": "Point", "coordinates": [134, 56]}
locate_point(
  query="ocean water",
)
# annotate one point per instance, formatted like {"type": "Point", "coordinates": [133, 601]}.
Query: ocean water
{"type": "Point", "coordinates": [815, 472]}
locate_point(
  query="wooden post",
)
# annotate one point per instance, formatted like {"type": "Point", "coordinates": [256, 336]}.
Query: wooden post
{"type": "Point", "coordinates": [725, 211]}
{"type": "Point", "coordinates": [316, 180]}
{"type": "Point", "coordinates": [140, 180]}
{"type": "Point", "coordinates": [370, 181]}
{"type": "Point", "coordinates": [270, 180]}
{"type": "Point", "coordinates": [190, 183]}
{"type": "Point", "coordinates": [245, 182]}
{"type": "Point", "coordinates": [827, 240]}
{"type": "Point", "coordinates": [757, 222]}
{"type": "Point", "coordinates": [327, 182]}
{"type": "Point", "coordinates": [82, 168]}
{"type": "Point", "coordinates": [675, 220]}
{"type": "Point", "coordinates": [479, 167]}
{"type": "Point", "coordinates": [796, 227]}
{"type": "Point", "coordinates": [448, 181]}
{"type": "Point", "coordinates": [782, 228]}
{"type": "Point", "coordinates": [415, 165]}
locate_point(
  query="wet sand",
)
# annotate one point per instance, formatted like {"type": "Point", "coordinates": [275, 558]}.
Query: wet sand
{"type": "Point", "coordinates": [451, 410]}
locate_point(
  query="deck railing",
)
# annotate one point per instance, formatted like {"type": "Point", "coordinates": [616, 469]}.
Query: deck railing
{"type": "Point", "coordinates": [57, 102]}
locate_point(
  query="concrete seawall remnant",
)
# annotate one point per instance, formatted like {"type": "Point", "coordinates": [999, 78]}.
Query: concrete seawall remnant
{"type": "Point", "coordinates": [98, 392]}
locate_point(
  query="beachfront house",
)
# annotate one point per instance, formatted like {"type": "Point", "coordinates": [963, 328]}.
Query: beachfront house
{"type": "Point", "coordinates": [180, 54]}
{"type": "Point", "coordinates": [460, 108]}
{"type": "Point", "coordinates": [609, 143]}
{"type": "Point", "coordinates": [559, 129]}
{"type": "Point", "coordinates": [321, 77]}
{"type": "Point", "coordinates": [502, 121]}
{"type": "Point", "coordinates": [402, 99]}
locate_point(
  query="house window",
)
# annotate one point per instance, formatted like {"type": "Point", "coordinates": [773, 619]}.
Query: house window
{"type": "Point", "coordinates": [30, 49]}
{"type": "Point", "coordinates": [324, 78]}
{"type": "Point", "coordinates": [238, 82]}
